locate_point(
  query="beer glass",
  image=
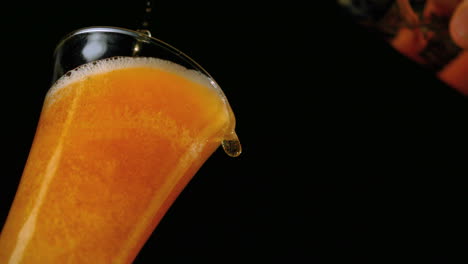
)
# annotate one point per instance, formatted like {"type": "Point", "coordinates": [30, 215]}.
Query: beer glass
{"type": "Point", "coordinates": [126, 124]}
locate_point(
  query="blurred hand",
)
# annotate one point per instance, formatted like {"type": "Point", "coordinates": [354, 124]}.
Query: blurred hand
{"type": "Point", "coordinates": [411, 41]}
{"type": "Point", "coordinates": [459, 22]}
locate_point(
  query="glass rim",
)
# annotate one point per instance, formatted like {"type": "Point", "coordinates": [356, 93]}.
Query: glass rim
{"type": "Point", "coordinates": [140, 36]}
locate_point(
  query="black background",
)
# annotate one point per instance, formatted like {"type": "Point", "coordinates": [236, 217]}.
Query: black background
{"type": "Point", "coordinates": [351, 151]}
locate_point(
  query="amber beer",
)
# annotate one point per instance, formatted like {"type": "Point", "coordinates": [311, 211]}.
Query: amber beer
{"type": "Point", "coordinates": [117, 141]}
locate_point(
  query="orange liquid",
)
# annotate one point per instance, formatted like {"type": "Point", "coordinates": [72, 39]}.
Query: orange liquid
{"type": "Point", "coordinates": [113, 149]}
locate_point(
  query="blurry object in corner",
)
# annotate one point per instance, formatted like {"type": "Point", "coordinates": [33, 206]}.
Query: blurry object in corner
{"type": "Point", "coordinates": [410, 26]}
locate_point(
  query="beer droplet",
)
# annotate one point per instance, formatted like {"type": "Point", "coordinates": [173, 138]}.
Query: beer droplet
{"type": "Point", "coordinates": [147, 14]}
{"type": "Point", "coordinates": [231, 145]}
{"type": "Point", "coordinates": [145, 31]}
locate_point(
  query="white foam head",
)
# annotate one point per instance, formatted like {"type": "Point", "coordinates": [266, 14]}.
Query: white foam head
{"type": "Point", "coordinates": [115, 63]}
